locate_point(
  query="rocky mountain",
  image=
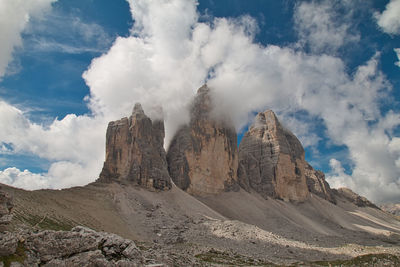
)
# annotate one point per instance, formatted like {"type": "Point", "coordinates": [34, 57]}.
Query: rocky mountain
{"type": "Point", "coordinates": [317, 184]}
{"type": "Point", "coordinates": [135, 152]}
{"type": "Point", "coordinates": [391, 208]}
{"type": "Point", "coordinates": [353, 197]}
{"type": "Point", "coordinates": [203, 155]}
{"type": "Point", "coordinates": [134, 215]}
{"type": "Point", "coordinates": [271, 160]}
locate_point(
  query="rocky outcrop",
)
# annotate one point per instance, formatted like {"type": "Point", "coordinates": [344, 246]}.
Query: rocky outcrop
{"type": "Point", "coordinates": [135, 152]}
{"type": "Point", "coordinates": [271, 160]}
{"type": "Point", "coordinates": [202, 156]}
{"type": "Point", "coordinates": [317, 184]}
{"type": "Point", "coordinates": [391, 208]}
{"type": "Point", "coordinates": [6, 205]}
{"type": "Point", "coordinates": [353, 197]}
{"type": "Point", "coordinates": [79, 247]}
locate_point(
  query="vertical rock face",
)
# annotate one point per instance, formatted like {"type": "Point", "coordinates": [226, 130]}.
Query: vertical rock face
{"type": "Point", "coordinates": [135, 152]}
{"type": "Point", "coordinates": [317, 185]}
{"type": "Point", "coordinates": [203, 156]}
{"type": "Point", "coordinates": [271, 160]}
{"type": "Point", "coordinates": [6, 205]}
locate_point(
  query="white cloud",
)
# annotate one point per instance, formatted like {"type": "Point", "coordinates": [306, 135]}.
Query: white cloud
{"type": "Point", "coordinates": [397, 51]}
{"type": "Point", "coordinates": [338, 178]}
{"type": "Point", "coordinates": [77, 36]}
{"type": "Point", "coordinates": [74, 144]}
{"type": "Point", "coordinates": [14, 17]}
{"type": "Point", "coordinates": [389, 20]}
{"type": "Point", "coordinates": [322, 28]}
{"type": "Point", "coordinates": [170, 54]}
{"type": "Point", "coordinates": [23, 179]}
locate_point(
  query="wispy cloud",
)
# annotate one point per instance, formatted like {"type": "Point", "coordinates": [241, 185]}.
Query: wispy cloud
{"type": "Point", "coordinates": [45, 45]}
{"type": "Point", "coordinates": [66, 33]}
{"type": "Point", "coordinates": [325, 26]}
{"type": "Point", "coordinates": [397, 51]}
{"type": "Point", "coordinates": [14, 18]}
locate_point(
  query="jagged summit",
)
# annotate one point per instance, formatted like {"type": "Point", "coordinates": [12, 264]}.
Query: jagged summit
{"type": "Point", "coordinates": [203, 89]}
{"type": "Point", "coordinates": [210, 214]}
{"type": "Point", "coordinates": [202, 157]}
{"type": "Point", "coordinates": [137, 109]}
{"type": "Point", "coordinates": [135, 152]}
{"type": "Point", "coordinates": [271, 162]}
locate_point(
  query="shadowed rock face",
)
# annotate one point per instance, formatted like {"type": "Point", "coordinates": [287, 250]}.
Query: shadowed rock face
{"type": "Point", "coordinates": [271, 160]}
{"type": "Point", "coordinates": [135, 152]}
{"type": "Point", "coordinates": [202, 156]}
{"type": "Point", "coordinates": [317, 184]}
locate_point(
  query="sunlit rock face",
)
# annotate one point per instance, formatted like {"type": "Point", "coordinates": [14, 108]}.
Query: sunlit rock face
{"type": "Point", "coordinates": [271, 160]}
{"type": "Point", "coordinates": [203, 155]}
{"type": "Point", "coordinates": [135, 152]}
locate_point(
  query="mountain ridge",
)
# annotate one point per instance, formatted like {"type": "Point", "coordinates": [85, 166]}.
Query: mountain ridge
{"type": "Point", "coordinates": [268, 205]}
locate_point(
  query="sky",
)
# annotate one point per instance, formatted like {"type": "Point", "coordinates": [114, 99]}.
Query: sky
{"type": "Point", "coordinates": [330, 70]}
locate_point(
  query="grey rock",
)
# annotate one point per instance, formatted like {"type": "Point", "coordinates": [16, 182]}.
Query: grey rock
{"type": "Point", "coordinates": [6, 205]}
{"type": "Point", "coordinates": [48, 245]}
{"type": "Point", "coordinates": [79, 247]}
{"type": "Point", "coordinates": [135, 152]}
{"type": "Point", "coordinates": [393, 208]}
{"type": "Point", "coordinates": [271, 160]}
{"type": "Point", "coordinates": [317, 184]}
{"type": "Point", "coordinates": [353, 197]}
{"type": "Point", "coordinates": [16, 264]}
{"type": "Point", "coordinates": [131, 251]}
{"type": "Point", "coordinates": [203, 157]}
{"type": "Point", "coordinates": [85, 259]}
{"type": "Point", "coordinates": [8, 243]}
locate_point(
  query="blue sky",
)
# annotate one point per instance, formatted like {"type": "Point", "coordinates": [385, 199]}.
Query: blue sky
{"type": "Point", "coordinates": [329, 69]}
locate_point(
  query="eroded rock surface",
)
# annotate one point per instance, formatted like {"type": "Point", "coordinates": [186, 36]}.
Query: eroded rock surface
{"type": "Point", "coordinates": [79, 247]}
{"type": "Point", "coordinates": [392, 208]}
{"type": "Point", "coordinates": [317, 184]}
{"type": "Point", "coordinates": [6, 205]}
{"type": "Point", "coordinates": [203, 155]}
{"type": "Point", "coordinates": [353, 197]}
{"type": "Point", "coordinates": [271, 160]}
{"type": "Point", "coordinates": [135, 152]}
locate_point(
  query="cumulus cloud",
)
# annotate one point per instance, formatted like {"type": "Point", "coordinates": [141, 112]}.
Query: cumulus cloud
{"type": "Point", "coordinates": [14, 17]}
{"type": "Point", "coordinates": [74, 144]}
{"type": "Point", "coordinates": [170, 54]}
{"type": "Point", "coordinates": [322, 28]}
{"type": "Point", "coordinates": [389, 19]}
{"type": "Point", "coordinates": [23, 179]}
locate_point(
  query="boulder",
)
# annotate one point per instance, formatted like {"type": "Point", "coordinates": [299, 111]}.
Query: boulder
{"type": "Point", "coordinates": [79, 247]}
{"type": "Point", "coordinates": [203, 155]}
{"type": "Point", "coordinates": [135, 152]}
{"type": "Point", "coordinates": [271, 160]}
